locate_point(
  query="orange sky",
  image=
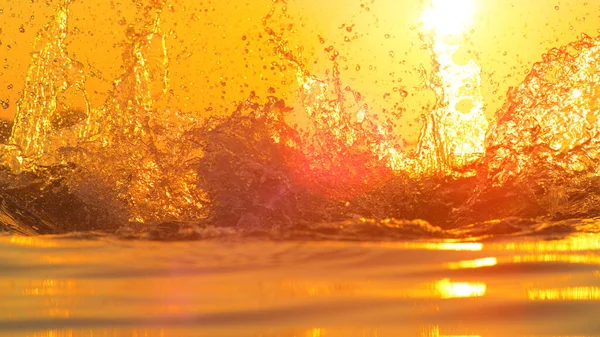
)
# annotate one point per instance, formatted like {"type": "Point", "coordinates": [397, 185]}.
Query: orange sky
{"type": "Point", "coordinates": [217, 57]}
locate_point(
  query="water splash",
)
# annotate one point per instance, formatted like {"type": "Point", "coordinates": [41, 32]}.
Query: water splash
{"type": "Point", "coordinates": [550, 120]}
{"type": "Point", "coordinates": [453, 135]}
{"type": "Point", "coordinates": [54, 100]}
{"type": "Point", "coordinates": [344, 150]}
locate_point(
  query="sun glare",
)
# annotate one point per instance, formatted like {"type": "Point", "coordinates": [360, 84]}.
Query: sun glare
{"type": "Point", "coordinates": [447, 289]}
{"type": "Point", "coordinates": [448, 17]}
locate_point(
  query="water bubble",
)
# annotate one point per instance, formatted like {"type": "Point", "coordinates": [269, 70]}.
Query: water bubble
{"type": "Point", "coordinates": [357, 67]}
{"type": "Point", "coordinates": [22, 29]}
{"type": "Point", "coordinates": [556, 7]}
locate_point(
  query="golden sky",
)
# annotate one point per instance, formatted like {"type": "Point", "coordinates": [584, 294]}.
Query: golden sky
{"type": "Point", "coordinates": [217, 56]}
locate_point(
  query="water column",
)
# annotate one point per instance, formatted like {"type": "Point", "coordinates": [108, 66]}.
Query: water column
{"type": "Point", "coordinates": [54, 104]}
{"type": "Point", "coordinates": [454, 131]}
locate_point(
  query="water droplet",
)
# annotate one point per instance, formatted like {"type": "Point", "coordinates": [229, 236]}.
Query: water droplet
{"type": "Point", "coordinates": [346, 39]}
{"type": "Point", "coordinates": [556, 7]}
{"type": "Point", "coordinates": [357, 67]}
{"type": "Point", "coordinates": [22, 29]}
{"type": "Point", "coordinates": [387, 36]}
{"type": "Point", "coordinates": [244, 38]}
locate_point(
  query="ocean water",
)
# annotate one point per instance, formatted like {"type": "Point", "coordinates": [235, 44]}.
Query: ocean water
{"type": "Point", "coordinates": [97, 285]}
{"type": "Point", "coordinates": [125, 211]}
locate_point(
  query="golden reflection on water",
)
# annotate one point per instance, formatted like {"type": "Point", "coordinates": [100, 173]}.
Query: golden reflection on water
{"type": "Point", "coordinates": [478, 263]}
{"type": "Point", "coordinates": [456, 246]}
{"type": "Point", "coordinates": [434, 331]}
{"type": "Point", "coordinates": [106, 333]}
{"type": "Point", "coordinates": [316, 332]}
{"type": "Point", "coordinates": [573, 243]}
{"type": "Point", "coordinates": [53, 333]}
{"type": "Point", "coordinates": [447, 289]}
{"type": "Point", "coordinates": [440, 289]}
{"type": "Point", "coordinates": [569, 294]}
{"type": "Point", "coordinates": [47, 298]}
{"type": "Point", "coordinates": [575, 259]}
{"type": "Point", "coordinates": [51, 287]}
{"type": "Point", "coordinates": [32, 241]}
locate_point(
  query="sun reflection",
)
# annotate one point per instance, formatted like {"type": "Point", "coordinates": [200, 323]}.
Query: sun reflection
{"type": "Point", "coordinates": [575, 259]}
{"type": "Point", "coordinates": [105, 332]}
{"type": "Point", "coordinates": [316, 332]}
{"type": "Point", "coordinates": [448, 289]}
{"type": "Point", "coordinates": [478, 263]}
{"type": "Point", "coordinates": [434, 331]}
{"type": "Point", "coordinates": [457, 246]}
{"type": "Point", "coordinates": [53, 333]}
{"type": "Point", "coordinates": [570, 294]}
{"type": "Point", "coordinates": [32, 241]}
{"type": "Point", "coordinates": [579, 242]}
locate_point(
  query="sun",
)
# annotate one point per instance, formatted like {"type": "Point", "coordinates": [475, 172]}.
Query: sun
{"type": "Point", "coordinates": [448, 17]}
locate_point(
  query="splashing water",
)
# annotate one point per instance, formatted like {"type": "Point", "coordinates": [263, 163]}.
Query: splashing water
{"type": "Point", "coordinates": [137, 160]}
